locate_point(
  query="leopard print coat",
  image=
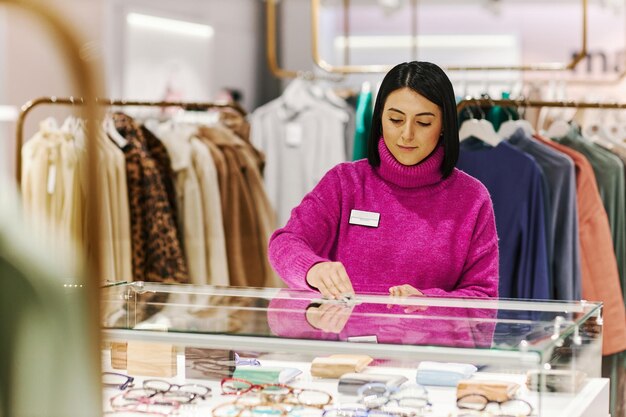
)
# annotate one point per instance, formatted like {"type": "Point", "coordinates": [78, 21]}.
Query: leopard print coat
{"type": "Point", "coordinates": [157, 251]}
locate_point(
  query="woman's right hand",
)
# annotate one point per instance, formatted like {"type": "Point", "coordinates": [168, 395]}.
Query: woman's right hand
{"type": "Point", "coordinates": [330, 278]}
{"type": "Point", "coordinates": [329, 317]}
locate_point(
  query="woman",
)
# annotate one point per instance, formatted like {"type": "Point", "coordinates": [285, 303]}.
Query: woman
{"type": "Point", "coordinates": [404, 221]}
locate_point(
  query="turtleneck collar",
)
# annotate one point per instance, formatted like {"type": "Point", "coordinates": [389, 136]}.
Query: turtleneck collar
{"type": "Point", "coordinates": [425, 173]}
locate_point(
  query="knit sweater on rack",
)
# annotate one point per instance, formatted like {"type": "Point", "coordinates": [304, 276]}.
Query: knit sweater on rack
{"type": "Point", "coordinates": [438, 235]}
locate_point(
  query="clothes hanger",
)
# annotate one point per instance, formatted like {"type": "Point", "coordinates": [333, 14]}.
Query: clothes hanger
{"type": "Point", "coordinates": [109, 128]}
{"type": "Point", "coordinates": [560, 126]}
{"type": "Point", "coordinates": [480, 129]}
{"type": "Point", "coordinates": [509, 127]}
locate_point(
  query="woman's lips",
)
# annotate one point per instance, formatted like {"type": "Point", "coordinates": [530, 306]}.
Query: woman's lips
{"type": "Point", "coordinates": [407, 148]}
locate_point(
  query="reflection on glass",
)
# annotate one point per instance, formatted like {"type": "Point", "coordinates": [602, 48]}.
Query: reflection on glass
{"type": "Point", "coordinates": [388, 323]}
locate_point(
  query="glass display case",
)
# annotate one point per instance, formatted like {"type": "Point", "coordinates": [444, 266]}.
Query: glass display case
{"type": "Point", "coordinates": [546, 354]}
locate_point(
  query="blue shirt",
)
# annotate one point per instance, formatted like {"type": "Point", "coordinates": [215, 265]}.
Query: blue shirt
{"type": "Point", "coordinates": [563, 242]}
{"type": "Point", "coordinates": [515, 183]}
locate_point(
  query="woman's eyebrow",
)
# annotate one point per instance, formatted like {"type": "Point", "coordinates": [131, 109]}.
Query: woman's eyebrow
{"type": "Point", "coordinates": [426, 113]}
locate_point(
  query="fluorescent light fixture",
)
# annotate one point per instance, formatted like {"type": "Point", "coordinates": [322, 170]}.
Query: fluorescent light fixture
{"type": "Point", "coordinates": [428, 41]}
{"type": "Point", "coordinates": [8, 113]}
{"type": "Point", "coordinates": [169, 25]}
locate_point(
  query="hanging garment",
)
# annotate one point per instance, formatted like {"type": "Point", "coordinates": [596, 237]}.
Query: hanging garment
{"type": "Point", "coordinates": [243, 218]}
{"type": "Point", "coordinates": [302, 139]}
{"type": "Point", "coordinates": [515, 184]}
{"type": "Point", "coordinates": [213, 223]}
{"type": "Point", "coordinates": [609, 172]}
{"type": "Point", "coordinates": [620, 152]}
{"type": "Point", "coordinates": [563, 241]}
{"type": "Point", "coordinates": [176, 139]}
{"type": "Point", "coordinates": [164, 164]}
{"type": "Point", "coordinates": [73, 129]}
{"type": "Point", "coordinates": [265, 212]}
{"type": "Point", "coordinates": [120, 209]}
{"type": "Point", "coordinates": [157, 251]}
{"type": "Point", "coordinates": [599, 273]}
{"type": "Point", "coordinates": [363, 117]}
{"type": "Point", "coordinates": [42, 184]}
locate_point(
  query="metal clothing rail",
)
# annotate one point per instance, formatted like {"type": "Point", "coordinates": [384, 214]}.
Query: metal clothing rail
{"type": "Point", "coordinates": [71, 101]}
{"type": "Point", "coordinates": [271, 45]}
{"type": "Point", "coordinates": [538, 103]}
{"type": "Point", "coordinates": [369, 69]}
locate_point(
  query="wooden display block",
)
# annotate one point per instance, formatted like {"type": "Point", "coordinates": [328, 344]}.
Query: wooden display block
{"type": "Point", "coordinates": [118, 355]}
{"type": "Point", "coordinates": [150, 359]}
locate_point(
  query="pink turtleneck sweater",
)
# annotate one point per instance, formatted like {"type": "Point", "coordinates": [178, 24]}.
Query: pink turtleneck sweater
{"type": "Point", "coordinates": [434, 234]}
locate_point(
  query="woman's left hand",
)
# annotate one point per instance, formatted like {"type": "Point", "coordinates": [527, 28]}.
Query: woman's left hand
{"type": "Point", "coordinates": [406, 290]}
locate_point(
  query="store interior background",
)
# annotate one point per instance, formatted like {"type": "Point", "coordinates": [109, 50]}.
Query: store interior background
{"type": "Point", "coordinates": [143, 60]}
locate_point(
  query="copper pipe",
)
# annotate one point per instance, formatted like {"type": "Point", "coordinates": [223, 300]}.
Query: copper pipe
{"type": "Point", "coordinates": [83, 73]}
{"type": "Point", "coordinates": [270, 44]}
{"type": "Point", "coordinates": [538, 103]}
{"type": "Point", "coordinates": [375, 69]}
{"type": "Point", "coordinates": [346, 31]}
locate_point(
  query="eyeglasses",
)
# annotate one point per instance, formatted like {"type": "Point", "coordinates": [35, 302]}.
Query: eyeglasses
{"type": "Point", "coordinates": [144, 402]}
{"type": "Point", "coordinates": [237, 409]}
{"type": "Point", "coordinates": [277, 392]}
{"type": "Point", "coordinates": [378, 395]}
{"type": "Point", "coordinates": [351, 411]}
{"type": "Point", "coordinates": [119, 381]}
{"type": "Point", "coordinates": [182, 393]}
{"type": "Point", "coordinates": [479, 402]}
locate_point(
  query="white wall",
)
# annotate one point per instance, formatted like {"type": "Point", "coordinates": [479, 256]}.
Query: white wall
{"type": "Point", "coordinates": [33, 66]}
{"type": "Point", "coordinates": [231, 56]}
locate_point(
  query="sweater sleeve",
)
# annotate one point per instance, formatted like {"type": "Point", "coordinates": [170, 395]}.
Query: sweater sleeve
{"type": "Point", "coordinates": [480, 271]}
{"type": "Point", "coordinates": [309, 234]}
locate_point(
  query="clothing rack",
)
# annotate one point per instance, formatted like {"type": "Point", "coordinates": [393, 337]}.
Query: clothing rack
{"type": "Point", "coordinates": [537, 103]}
{"type": "Point", "coordinates": [71, 101]}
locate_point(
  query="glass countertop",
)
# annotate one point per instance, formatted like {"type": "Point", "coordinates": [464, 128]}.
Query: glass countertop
{"type": "Point", "coordinates": [500, 324]}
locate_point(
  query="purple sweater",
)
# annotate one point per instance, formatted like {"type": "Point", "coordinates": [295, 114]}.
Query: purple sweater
{"type": "Point", "coordinates": [436, 235]}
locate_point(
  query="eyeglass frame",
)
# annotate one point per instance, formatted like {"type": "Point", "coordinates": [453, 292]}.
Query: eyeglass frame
{"type": "Point", "coordinates": [192, 395]}
{"type": "Point", "coordinates": [130, 381]}
{"type": "Point", "coordinates": [291, 391]}
{"type": "Point", "coordinates": [489, 401]}
{"type": "Point", "coordinates": [362, 412]}
{"type": "Point", "coordinates": [135, 402]}
{"type": "Point", "coordinates": [244, 407]}
{"type": "Point", "coordinates": [392, 394]}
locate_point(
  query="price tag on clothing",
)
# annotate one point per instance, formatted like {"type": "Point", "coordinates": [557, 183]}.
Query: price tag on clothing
{"type": "Point", "coordinates": [293, 134]}
{"type": "Point", "coordinates": [52, 178]}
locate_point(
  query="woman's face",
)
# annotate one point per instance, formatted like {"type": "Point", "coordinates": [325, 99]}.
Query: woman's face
{"type": "Point", "coordinates": [411, 126]}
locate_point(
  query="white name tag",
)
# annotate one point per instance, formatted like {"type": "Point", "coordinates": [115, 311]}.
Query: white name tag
{"type": "Point", "coordinates": [364, 218]}
{"type": "Point", "coordinates": [363, 339]}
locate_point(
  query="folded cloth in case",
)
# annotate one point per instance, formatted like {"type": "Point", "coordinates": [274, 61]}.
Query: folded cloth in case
{"type": "Point", "coordinates": [443, 374]}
